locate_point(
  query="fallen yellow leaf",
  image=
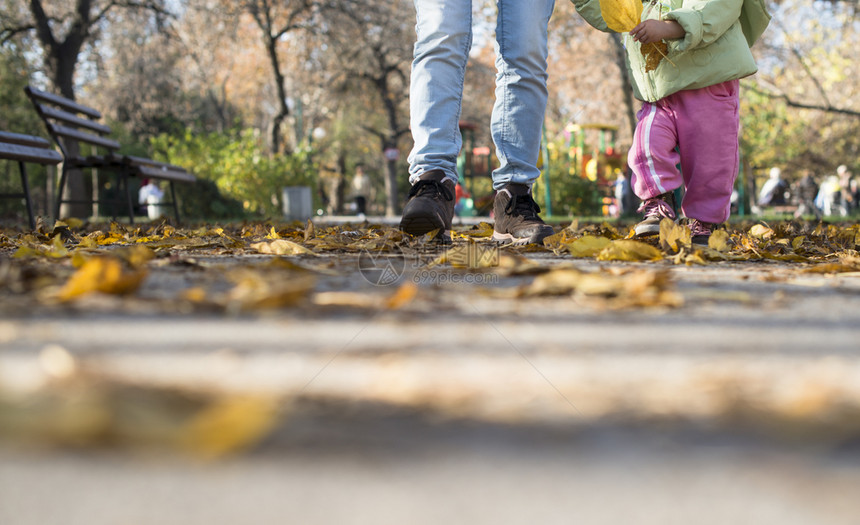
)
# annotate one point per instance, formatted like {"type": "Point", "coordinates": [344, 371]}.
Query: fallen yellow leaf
{"type": "Point", "coordinates": [674, 236]}
{"type": "Point", "coordinates": [627, 250]}
{"type": "Point", "coordinates": [470, 255]}
{"type": "Point", "coordinates": [281, 247]}
{"type": "Point", "coordinates": [719, 241]}
{"type": "Point", "coordinates": [760, 231]}
{"type": "Point", "coordinates": [588, 246]}
{"type": "Point", "coordinates": [102, 274]}
{"type": "Point", "coordinates": [403, 296]}
{"type": "Point", "coordinates": [230, 425]}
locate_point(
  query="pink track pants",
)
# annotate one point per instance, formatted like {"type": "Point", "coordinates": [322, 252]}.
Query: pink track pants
{"type": "Point", "coordinates": [704, 125]}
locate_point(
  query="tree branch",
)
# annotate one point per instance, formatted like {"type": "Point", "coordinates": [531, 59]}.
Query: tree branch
{"type": "Point", "coordinates": [801, 105]}
{"type": "Point", "coordinates": [803, 64]}
{"type": "Point", "coordinates": [8, 33]}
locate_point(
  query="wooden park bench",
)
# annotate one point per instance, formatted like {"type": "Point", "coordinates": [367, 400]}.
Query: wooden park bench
{"type": "Point", "coordinates": [74, 126]}
{"type": "Point", "coordinates": [26, 149]}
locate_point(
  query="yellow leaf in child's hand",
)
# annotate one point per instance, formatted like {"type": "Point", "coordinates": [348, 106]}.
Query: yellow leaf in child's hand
{"type": "Point", "coordinates": [621, 16]}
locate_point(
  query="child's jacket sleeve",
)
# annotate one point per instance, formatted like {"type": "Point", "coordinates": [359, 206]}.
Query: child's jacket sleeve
{"type": "Point", "coordinates": [590, 11]}
{"type": "Point", "coordinates": [704, 21]}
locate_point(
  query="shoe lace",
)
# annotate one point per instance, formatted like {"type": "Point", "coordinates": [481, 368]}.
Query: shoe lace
{"type": "Point", "coordinates": [523, 205]}
{"type": "Point", "coordinates": [657, 207]}
{"type": "Point", "coordinates": [698, 227]}
{"type": "Point", "coordinates": [431, 186]}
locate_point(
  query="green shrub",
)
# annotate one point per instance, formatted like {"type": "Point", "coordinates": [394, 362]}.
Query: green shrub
{"type": "Point", "coordinates": [240, 169]}
{"type": "Point", "coordinates": [571, 195]}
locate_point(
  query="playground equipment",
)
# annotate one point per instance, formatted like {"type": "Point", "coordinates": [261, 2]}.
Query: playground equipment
{"type": "Point", "coordinates": [474, 162]}
{"type": "Point", "coordinates": [598, 164]}
{"type": "Point", "coordinates": [590, 151]}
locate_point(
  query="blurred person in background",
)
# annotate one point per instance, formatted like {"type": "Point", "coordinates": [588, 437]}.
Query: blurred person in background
{"type": "Point", "coordinates": [361, 188]}
{"type": "Point", "coordinates": [149, 197]}
{"type": "Point", "coordinates": [773, 191]}
{"type": "Point", "coordinates": [848, 188]}
{"type": "Point", "coordinates": [807, 189]}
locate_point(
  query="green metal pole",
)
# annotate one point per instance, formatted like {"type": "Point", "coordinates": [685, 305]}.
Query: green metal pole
{"type": "Point", "coordinates": [742, 205]}
{"type": "Point", "coordinates": [547, 203]}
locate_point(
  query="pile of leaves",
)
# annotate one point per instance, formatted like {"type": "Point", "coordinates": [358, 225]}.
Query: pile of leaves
{"type": "Point", "coordinates": [249, 266]}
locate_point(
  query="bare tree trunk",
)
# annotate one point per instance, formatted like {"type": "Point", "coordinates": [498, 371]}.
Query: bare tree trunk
{"type": "Point", "coordinates": [389, 143]}
{"type": "Point", "coordinates": [392, 204]}
{"type": "Point", "coordinates": [626, 86]}
{"type": "Point", "coordinates": [283, 109]}
{"type": "Point", "coordinates": [264, 14]}
{"type": "Point", "coordinates": [61, 61]}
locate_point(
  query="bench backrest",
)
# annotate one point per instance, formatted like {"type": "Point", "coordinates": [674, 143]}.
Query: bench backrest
{"type": "Point", "coordinates": [69, 122]}
{"type": "Point", "coordinates": [27, 148]}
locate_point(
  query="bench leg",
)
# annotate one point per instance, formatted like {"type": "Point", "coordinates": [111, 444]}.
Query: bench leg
{"type": "Point", "coordinates": [174, 202]}
{"type": "Point", "coordinates": [124, 178]}
{"type": "Point", "coordinates": [60, 190]}
{"type": "Point", "coordinates": [26, 186]}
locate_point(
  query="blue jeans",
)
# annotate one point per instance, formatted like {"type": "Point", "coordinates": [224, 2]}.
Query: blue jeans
{"type": "Point", "coordinates": [444, 30]}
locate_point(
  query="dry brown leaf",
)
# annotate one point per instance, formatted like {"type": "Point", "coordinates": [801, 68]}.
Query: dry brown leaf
{"type": "Point", "coordinates": [260, 290]}
{"type": "Point", "coordinates": [654, 53]}
{"type": "Point", "coordinates": [832, 268]}
{"type": "Point", "coordinates": [556, 282]}
{"type": "Point", "coordinates": [642, 288]}
{"type": "Point", "coordinates": [470, 255]}
{"type": "Point", "coordinates": [310, 232]}
{"type": "Point", "coordinates": [484, 229]}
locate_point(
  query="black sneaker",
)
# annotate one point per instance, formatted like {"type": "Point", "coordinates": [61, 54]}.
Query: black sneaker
{"type": "Point", "coordinates": [516, 215]}
{"type": "Point", "coordinates": [430, 205]}
{"type": "Point", "coordinates": [655, 209]}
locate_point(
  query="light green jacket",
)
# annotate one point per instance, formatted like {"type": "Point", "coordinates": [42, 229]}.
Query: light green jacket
{"type": "Point", "coordinates": [715, 48]}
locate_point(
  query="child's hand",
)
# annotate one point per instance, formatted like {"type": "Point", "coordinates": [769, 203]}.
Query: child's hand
{"type": "Point", "coordinates": [656, 30]}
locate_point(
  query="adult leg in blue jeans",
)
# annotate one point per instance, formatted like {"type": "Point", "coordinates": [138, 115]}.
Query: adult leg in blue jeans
{"type": "Point", "coordinates": [444, 31]}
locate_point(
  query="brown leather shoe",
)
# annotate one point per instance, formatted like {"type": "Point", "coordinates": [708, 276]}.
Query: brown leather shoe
{"type": "Point", "coordinates": [430, 205]}
{"type": "Point", "coordinates": [516, 214]}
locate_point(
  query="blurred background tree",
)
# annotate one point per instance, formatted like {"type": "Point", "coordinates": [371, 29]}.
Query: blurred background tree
{"type": "Point", "coordinates": [256, 95]}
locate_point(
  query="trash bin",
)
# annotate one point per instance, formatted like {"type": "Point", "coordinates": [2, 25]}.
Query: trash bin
{"type": "Point", "coordinates": [297, 203]}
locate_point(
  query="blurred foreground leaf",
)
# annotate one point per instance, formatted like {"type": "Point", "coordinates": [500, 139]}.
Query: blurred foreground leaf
{"type": "Point", "coordinates": [230, 425]}
{"type": "Point", "coordinates": [102, 274]}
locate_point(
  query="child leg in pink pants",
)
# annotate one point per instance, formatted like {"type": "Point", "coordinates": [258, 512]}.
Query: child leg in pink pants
{"type": "Point", "coordinates": [703, 124]}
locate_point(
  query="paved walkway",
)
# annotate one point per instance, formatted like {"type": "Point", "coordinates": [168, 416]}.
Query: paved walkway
{"type": "Point", "coordinates": [730, 393]}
